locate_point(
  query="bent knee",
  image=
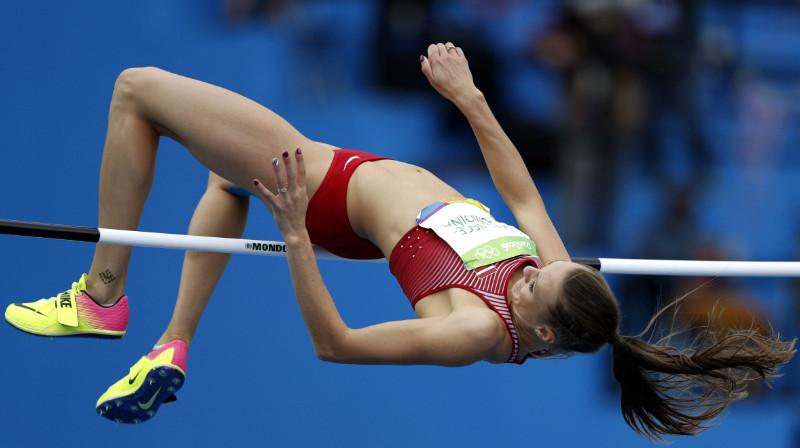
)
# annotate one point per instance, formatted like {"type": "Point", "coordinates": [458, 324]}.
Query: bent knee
{"type": "Point", "coordinates": [131, 83]}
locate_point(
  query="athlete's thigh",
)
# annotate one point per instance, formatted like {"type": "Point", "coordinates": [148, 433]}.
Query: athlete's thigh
{"type": "Point", "coordinates": [233, 136]}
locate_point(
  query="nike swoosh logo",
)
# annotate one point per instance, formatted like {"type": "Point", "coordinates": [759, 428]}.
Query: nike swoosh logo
{"type": "Point", "coordinates": [349, 160]}
{"type": "Point", "coordinates": [29, 308]}
{"type": "Point", "coordinates": [149, 402]}
{"type": "Point", "coordinates": [131, 380]}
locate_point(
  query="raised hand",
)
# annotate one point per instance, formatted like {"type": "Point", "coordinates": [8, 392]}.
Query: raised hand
{"type": "Point", "coordinates": [448, 71]}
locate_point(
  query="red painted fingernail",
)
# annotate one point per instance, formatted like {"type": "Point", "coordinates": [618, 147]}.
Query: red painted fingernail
{"type": "Point", "coordinates": [255, 182]}
{"type": "Point", "coordinates": [285, 153]}
{"type": "Point", "coordinates": [298, 151]}
{"type": "Point", "coordinates": [275, 162]}
{"type": "Point", "coordinates": [421, 58]}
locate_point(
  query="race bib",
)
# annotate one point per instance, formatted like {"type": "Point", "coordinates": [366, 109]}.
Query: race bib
{"type": "Point", "coordinates": [467, 227]}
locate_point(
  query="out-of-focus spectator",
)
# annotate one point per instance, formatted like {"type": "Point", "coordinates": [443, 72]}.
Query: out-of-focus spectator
{"type": "Point", "coordinates": [761, 113]}
{"type": "Point", "coordinates": [590, 47]}
{"type": "Point", "coordinates": [405, 29]}
{"type": "Point", "coordinates": [667, 36]}
{"type": "Point", "coordinates": [675, 237]}
{"type": "Point", "coordinates": [243, 10]}
{"type": "Point", "coordinates": [733, 306]}
{"type": "Point", "coordinates": [671, 238]}
{"type": "Point", "coordinates": [403, 33]}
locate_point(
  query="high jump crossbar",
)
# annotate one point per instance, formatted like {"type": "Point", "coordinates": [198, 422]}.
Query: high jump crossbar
{"type": "Point", "coordinates": [691, 268]}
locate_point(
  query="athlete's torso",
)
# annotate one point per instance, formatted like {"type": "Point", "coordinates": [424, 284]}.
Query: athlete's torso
{"type": "Point", "coordinates": [384, 198]}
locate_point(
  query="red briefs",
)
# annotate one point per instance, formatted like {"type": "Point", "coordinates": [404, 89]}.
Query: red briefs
{"type": "Point", "coordinates": [326, 218]}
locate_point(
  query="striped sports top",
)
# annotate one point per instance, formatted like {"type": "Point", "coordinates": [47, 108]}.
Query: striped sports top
{"type": "Point", "coordinates": [423, 264]}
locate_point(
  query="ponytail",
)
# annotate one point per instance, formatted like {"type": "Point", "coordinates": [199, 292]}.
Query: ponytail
{"type": "Point", "coordinates": [665, 390]}
{"type": "Point", "coordinates": [671, 391]}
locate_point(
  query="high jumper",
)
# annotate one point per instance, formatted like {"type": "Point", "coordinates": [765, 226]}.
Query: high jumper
{"type": "Point", "coordinates": [481, 290]}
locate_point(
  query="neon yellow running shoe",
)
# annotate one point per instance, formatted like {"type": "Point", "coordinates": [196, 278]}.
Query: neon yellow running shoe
{"type": "Point", "coordinates": [153, 380]}
{"type": "Point", "coordinates": [71, 313]}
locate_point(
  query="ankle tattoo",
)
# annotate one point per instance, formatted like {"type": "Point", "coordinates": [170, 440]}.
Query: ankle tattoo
{"type": "Point", "coordinates": [107, 276]}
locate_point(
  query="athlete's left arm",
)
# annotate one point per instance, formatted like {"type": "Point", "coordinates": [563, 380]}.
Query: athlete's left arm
{"type": "Point", "coordinates": [453, 340]}
{"type": "Point", "coordinates": [457, 339]}
{"type": "Point", "coordinates": [289, 207]}
{"type": "Point", "coordinates": [448, 72]}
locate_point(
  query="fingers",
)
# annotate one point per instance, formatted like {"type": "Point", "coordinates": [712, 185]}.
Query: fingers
{"type": "Point", "coordinates": [280, 175]}
{"type": "Point", "coordinates": [287, 177]}
{"type": "Point", "coordinates": [440, 50]}
{"type": "Point", "coordinates": [438, 53]}
{"type": "Point", "coordinates": [265, 193]}
{"type": "Point", "coordinates": [452, 50]}
{"type": "Point", "coordinates": [301, 168]}
{"type": "Point", "coordinates": [291, 174]}
{"type": "Point", "coordinates": [295, 178]}
{"type": "Point", "coordinates": [433, 50]}
{"type": "Point", "coordinates": [426, 67]}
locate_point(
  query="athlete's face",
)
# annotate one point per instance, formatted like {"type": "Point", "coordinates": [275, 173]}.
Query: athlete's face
{"type": "Point", "coordinates": [533, 295]}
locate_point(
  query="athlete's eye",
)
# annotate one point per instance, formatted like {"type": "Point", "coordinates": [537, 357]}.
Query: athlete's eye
{"type": "Point", "coordinates": [530, 288]}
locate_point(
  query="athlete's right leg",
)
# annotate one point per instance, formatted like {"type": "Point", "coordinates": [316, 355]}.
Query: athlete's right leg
{"type": "Point", "coordinates": [231, 135]}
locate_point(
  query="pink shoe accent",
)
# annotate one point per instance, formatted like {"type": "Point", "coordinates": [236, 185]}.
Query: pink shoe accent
{"type": "Point", "coordinates": [113, 318]}
{"type": "Point", "coordinates": [178, 356]}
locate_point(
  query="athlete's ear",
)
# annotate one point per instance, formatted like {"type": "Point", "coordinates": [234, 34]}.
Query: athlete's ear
{"type": "Point", "coordinates": [546, 333]}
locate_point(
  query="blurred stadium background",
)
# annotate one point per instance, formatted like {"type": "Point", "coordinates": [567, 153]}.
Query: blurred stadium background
{"type": "Point", "coordinates": [654, 128]}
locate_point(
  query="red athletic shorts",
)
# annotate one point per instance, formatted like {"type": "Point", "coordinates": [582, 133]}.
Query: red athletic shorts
{"type": "Point", "coordinates": [326, 218]}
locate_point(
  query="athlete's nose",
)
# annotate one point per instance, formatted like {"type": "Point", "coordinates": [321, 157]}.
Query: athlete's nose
{"type": "Point", "coordinates": [530, 273]}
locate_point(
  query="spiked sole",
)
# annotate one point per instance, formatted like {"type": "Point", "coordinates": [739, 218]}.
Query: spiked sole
{"type": "Point", "coordinates": [159, 386]}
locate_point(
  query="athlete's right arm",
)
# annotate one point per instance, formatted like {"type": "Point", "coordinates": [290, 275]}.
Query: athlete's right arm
{"type": "Point", "coordinates": [448, 72]}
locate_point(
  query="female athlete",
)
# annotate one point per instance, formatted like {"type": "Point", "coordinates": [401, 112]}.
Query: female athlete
{"type": "Point", "coordinates": [481, 290]}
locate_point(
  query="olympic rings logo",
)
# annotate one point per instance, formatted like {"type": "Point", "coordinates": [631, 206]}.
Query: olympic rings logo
{"type": "Point", "coordinates": [486, 252]}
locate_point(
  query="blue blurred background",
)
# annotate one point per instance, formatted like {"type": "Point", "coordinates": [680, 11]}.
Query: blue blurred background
{"type": "Point", "coordinates": [654, 128]}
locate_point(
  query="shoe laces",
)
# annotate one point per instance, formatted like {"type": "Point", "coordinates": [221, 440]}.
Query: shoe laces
{"type": "Point", "coordinates": [77, 287]}
{"type": "Point", "coordinates": [80, 285]}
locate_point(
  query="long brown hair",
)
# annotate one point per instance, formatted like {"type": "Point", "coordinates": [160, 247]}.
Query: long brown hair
{"type": "Point", "coordinates": [665, 390]}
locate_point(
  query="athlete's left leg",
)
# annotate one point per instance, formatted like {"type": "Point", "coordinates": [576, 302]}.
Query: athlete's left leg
{"type": "Point", "coordinates": [202, 270]}
{"type": "Point", "coordinates": [156, 377]}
